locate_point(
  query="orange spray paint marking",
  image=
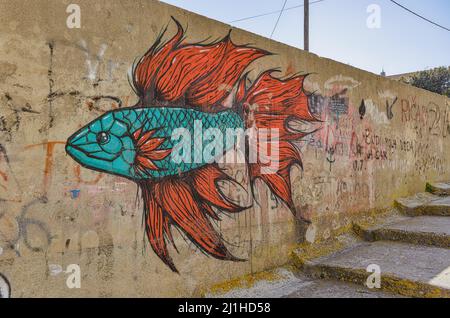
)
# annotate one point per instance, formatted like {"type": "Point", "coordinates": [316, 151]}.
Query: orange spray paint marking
{"type": "Point", "coordinates": [3, 175]}
{"type": "Point", "coordinates": [48, 168]}
{"type": "Point", "coordinates": [77, 171]}
{"type": "Point", "coordinates": [5, 178]}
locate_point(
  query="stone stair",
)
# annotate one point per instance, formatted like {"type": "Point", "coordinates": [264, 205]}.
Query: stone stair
{"type": "Point", "coordinates": [424, 204]}
{"type": "Point", "coordinates": [439, 188]}
{"type": "Point", "coordinates": [412, 249]}
{"type": "Point", "coordinates": [421, 230]}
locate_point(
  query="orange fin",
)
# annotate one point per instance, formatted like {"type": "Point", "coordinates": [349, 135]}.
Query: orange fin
{"type": "Point", "coordinates": [195, 75]}
{"type": "Point", "coordinates": [156, 228]}
{"type": "Point", "coordinates": [187, 203]}
{"type": "Point", "coordinates": [272, 103]}
{"type": "Point", "coordinates": [147, 150]}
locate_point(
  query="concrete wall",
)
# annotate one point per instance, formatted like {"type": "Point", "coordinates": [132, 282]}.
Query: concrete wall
{"type": "Point", "coordinates": [380, 140]}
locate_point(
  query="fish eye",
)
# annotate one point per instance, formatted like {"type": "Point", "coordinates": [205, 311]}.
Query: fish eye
{"type": "Point", "coordinates": [102, 138]}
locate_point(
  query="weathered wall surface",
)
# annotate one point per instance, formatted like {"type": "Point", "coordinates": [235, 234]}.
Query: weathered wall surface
{"type": "Point", "coordinates": [379, 140]}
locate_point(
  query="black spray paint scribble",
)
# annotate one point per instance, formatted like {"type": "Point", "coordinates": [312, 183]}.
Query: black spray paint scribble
{"type": "Point", "coordinates": [23, 108]}
{"type": "Point", "coordinates": [362, 109]}
{"type": "Point", "coordinates": [5, 287]}
{"type": "Point", "coordinates": [9, 123]}
{"type": "Point", "coordinates": [24, 222]}
{"type": "Point", "coordinates": [337, 104]}
{"type": "Point", "coordinates": [389, 113]}
{"type": "Point", "coordinates": [8, 174]}
{"type": "Point", "coordinates": [94, 98]}
{"type": "Point", "coordinates": [52, 94]}
{"type": "Point", "coordinates": [3, 153]}
{"type": "Point", "coordinates": [51, 83]}
{"type": "Point", "coordinates": [330, 157]}
{"type": "Point", "coordinates": [10, 119]}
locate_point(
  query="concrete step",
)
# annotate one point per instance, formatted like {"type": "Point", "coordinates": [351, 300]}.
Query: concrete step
{"type": "Point", "coordinates": [406, 269]}
{"type": "Point", "coordinates": [424, 204]}
{"type": "Point", "coordinates": [421, 230]}
{"type": "Point", "coordinates": [439, 188]}
{"type": "Point", "coordinates": [291, 284]}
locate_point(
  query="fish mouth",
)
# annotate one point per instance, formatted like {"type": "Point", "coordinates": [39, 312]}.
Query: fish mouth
{"type": "Point", "coordinates": [77, 154]}
{"type": "Point", "coordinates": [87, 161]}
{"type": "Point", "coordinates": [82, 157]}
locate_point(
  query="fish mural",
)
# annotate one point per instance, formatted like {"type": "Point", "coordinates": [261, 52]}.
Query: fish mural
{"type": "Point", "coordinates": [180, 84]}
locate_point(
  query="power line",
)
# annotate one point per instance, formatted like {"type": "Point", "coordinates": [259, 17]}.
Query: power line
{"type": "Point", "coordinates": [279, 17]}
{"type": "Point", "coordinates": [273, 12]}
{"type": "Point", "coordinates": [416, 14]}
{"type": "Point", "coordinates": [306, 26]}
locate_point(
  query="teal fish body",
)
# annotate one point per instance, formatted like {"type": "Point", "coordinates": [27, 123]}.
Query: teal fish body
{"type": "Point", "coordinates": [146, 143]}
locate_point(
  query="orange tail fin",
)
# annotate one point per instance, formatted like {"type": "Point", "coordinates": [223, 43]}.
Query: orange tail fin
{"type": "Point", "coordinates": [187, 203]}
{"type": "Point", "coordinates": [272, 103]}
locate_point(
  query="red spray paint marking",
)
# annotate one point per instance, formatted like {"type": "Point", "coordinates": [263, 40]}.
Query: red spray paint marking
{"type": "Point", "coordinates": [48, 167]}
{"type": "Point", "coordinates": [49, 147]}
{"type": "Point", "coordinates": [79, 179]}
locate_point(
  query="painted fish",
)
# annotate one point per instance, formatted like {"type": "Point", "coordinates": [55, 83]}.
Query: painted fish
{"type": "Point", "coordinates": [136, 143]}
{"type": "Point", "coordinates": [180, 85]}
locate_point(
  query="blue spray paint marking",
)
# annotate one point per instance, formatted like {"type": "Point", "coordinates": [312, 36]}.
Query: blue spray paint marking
{"type": "Point", "coordinates": [75, 193]}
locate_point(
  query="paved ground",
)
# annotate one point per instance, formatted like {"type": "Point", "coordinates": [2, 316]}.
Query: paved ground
{"type": "Point", "coordinates": [293, 285]}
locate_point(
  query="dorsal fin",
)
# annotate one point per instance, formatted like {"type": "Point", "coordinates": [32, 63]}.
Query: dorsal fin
{"type": "Point", "coordinates": [194, 75]}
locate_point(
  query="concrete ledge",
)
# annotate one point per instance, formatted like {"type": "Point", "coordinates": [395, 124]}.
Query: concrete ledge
{"type": "Point", "coordinates": [390, 283]}
{"type": "Point", "coordinates": [424, 204]}
{"type": "Point", "coordinates": [409, 270]}
{"type": "Point", "coordinates": [288, 283]}
{"type": "Point", "coordinates": [421, 230]}
{"type": "Point", "coordinates": [439, 188]}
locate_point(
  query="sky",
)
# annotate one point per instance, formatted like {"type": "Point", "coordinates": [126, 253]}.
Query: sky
{"type": "Point", "coordinates": [338, 29]}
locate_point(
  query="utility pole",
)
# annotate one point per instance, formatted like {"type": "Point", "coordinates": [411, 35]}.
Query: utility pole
{"type": "Point", "coordinates": [306, 26]}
